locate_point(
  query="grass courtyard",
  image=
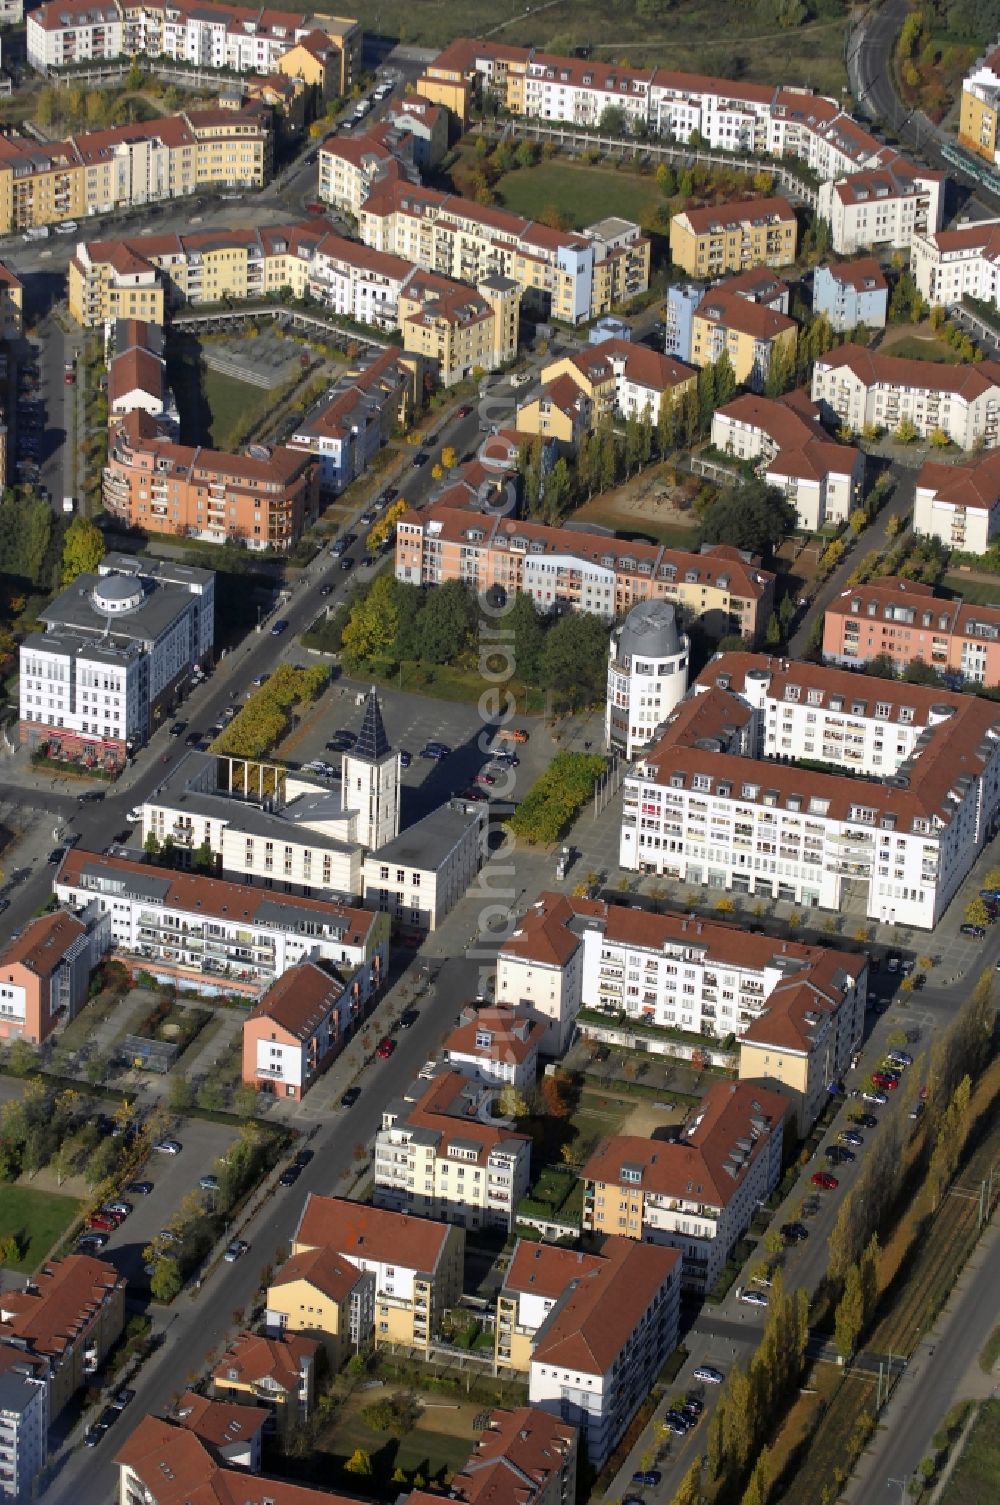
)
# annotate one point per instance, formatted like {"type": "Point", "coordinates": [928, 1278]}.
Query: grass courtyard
{"type": "Point", "coordinates": [915, 348]}
{"type": "Point", "coordinates": [212, 407]}
{"type": "Point", "coordinates": [435, 1448]}
{"type": "Point", "coordinates": [582, 194]}
{"type": "Point", "coordinates": [36, 1219]}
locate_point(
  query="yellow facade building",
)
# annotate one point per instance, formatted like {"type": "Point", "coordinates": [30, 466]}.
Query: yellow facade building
{"type": "Point", "coordinates": [460, 331]}
{"type": "Point", "coordinates": [979, 115]}
{"type": "Point", "coordinates": [620, 378]}
{"type": "Point", "coordinates": [11, 304]}
{"type": "Point", "coordinates": [751, 334]}
{"type": "Point", "coordinates": [734, 237]}
{"type": "Point", "coordinates": [361, 1274]}
{"type": "Point", "coordinates": [324, 63]}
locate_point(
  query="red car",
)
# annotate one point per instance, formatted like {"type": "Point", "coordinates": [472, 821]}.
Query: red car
{"type": "Point", "coordinates": [485, 779]}
{"type": "Point", "coordinates": [464, 410]}
{"type": "Point", "coordinates": [107, 1222]}
{"type": "Point", "coordinates": [885, 1081]}
{"type": "Point", "coordinates": [315, 208]}
{"type": "Point", "coordinates": [473, 794]}
{"type": "Point", "coordinates": [385, 1048]}
{"type": "Point", "coordinates": [825, 1180]}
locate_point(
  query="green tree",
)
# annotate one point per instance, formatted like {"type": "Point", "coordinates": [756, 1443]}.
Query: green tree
{"type": "Point", "coordinates": [527, 153]}
{"type": "Point", "coordinates": [371, 631]}
{"type": "Point", "coordinates": [706, 397]}
{"type": "Point", "coordinates": [738, 1425]}
{"type": "Point", "coordinates": [772, 637]}
{"type": "Point", "coordinates": [21, 1058]}
{"type": "Point", "coordinates": [849, 1318]}
{"type": "Point", "coordinates": [102, 1163]}
{"type": "Point", "coordinates": [613, 121]}
{"type": "Point", "coordinates": [359, 1463]}
{"type": "Point", "coordinates": [574, 658]}
{"type": "Point", "coordinates": [976, 913]}
{"type": "Point", "coordinates": [180, 1094]}
{"type": "Point", "coordinates": [151, 845]}
{"type": "Point", "coordinates": [446, 623]}
{"type": "Point", "coordinates": [204, 857]}
{"type": "Point", "coordinates": [950, 1141]}
{"type": "Point", "coordinates": [245, 1100]}
{"type": "Point", "coordinates": [689, 1491]}
{"type": "Point", "coordinates": [523, 622]}
{"type": "Point", "coordinates": [755, 517]}
{"type": "Point", "coordinates": [210, 1096]}
{"type": "Point", "coordinates": [165, 1282]}
{"type": "Point", "coordinates": [725, 379]}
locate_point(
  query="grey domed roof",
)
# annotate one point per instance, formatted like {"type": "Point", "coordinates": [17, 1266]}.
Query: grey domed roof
{"type": "Point", "coordinates": [650, 630]}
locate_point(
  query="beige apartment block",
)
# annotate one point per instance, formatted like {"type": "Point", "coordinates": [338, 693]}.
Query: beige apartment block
{"type": "Point", "coordinates": [734, 237]}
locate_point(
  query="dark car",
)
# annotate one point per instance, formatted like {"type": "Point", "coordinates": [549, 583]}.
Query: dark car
{"type": "Point", "coordinates": [91, 797]}
{"type": "Point", "coordinates": [326, 590]}
{"type": "Point", "coordinates": [404, 758]}
{"type": "Point", "coordinates": [192, 739]}
{"type": "Point", "coordinates": [408, 1018]}
{"type": "Point", "coordinates": [853, 1138]}
{"type": "Point", "coordinates": [279, 627]}
{"type": "Point", "coordinates": [304, 1157]}
{"type": "Point", "coordinates": [350, 1097]}
{"type": "Point", "coordinates": [838, 1155]}
{"type": "Point", "coordinates": [57, 854]}
{"type": "Point", "coordinates": [139, 1188]}
{"type": "Point", "coordinates": [865, 1120]}
{"type": "Point", "coordinates": [178, 729]}
{"type": "Point", "coordinates": [93, 1435]}
{"type": "Point", "coordinates": [420, 459]}
{"type": "Point", "coordinates": [794, 1233]}
{"type": "Point", "coordinates": [122, 1397]}
{"type": "Point", "coordinates": [290, 1176]}
{"type": "Point", "coordinates": [347, 563]}
{"type": "Point", "coordinates": [648, 1476]}
{"type": "Point", "coordinates": [975, 931]}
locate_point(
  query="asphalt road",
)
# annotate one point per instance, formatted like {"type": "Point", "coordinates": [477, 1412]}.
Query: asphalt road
{"type": "Point", "coordinates": [201, 1320]}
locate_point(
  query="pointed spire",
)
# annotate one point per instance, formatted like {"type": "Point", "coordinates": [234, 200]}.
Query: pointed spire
{"type": "Point", "coordinates": [372, 744]}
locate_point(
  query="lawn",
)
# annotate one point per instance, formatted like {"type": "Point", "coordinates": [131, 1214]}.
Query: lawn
{"type": "Point", "coordinates": [36, 1218]}
{"type": "Point", "coordinates": [634, 524]}
{"type": "Point", "coordinates": [582, 194]}
{"type": "Point", "coordinates": [436, 1448]}
{"type": "Point", "coordinates": [210, 406]}
{"type": "Point", "coordinates": [913, 348]}
{"type": "Point", "coordinates": [975, 592]}
{"type": "Point", "coordinates": [232, 405]}
{"type": "Point", "coordinates": [704, 36]}
{"type": "Point", "coordinates": [974, 1479]}
{"type": "Point", "coordinates": [453, 682]}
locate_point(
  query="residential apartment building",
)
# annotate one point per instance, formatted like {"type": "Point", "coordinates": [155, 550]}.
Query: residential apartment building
{"type": "Point", "coordinates": [540, 965]}
{"type": "Point", "coordinates": [960, 504]}
{"type": "Point", "coordinates": [884, 206]}
{"type": "Point", "coordinates": [729, 115]}
{"type": "Point", "coordinates": [954, 264]}
{"type": "Point", "coordinates": [234, 1434]}
{"type": "Point", "coordinates": [906, 620]}
{"type": "Point", "coordinates": [894, 846]}
{"type": "Point", "coordinates": [697, 1193]}
{"type": "Point", "coordinates": [410, 1267]}
{"type": "Point", "coordinates": [116, 648]}
{"type": "Point", "coordinates": [214, 936]}
{"type": "Point", "coordinates": [327, 59]}
{"type": "Point", "coordinates": [824, 481]}
{"type": "Point", "coordinates": [351, 165]}
{"type": "Point", "coordinates": [11, 304]}
{"type": "Point", "coordinates": [137, 373]}
{"type": "Point", "coordinates": [357, 416]}
{"type": "Point", "coordinates": [456, 331]}
{"type": "Point", "coordinates": [572, 276]}
{"type": "Point", "coordinates": [734, 237]}
{"type": "Point", "coordinates": [751, 334]}
{"type": "Point", "coordinates": [558, 411]}
{"type": "Point", "coordinates": [45, 973]}
{"type": "Point", "coordinates": [619, 378]}
{"type": "Point", "coordinates": [427, 126]}
{"type": "Point", "coordinates": [262, 823]}
{"type": "Point", "coordinates": [624, 972]}
{"type": "Point", "coordinates": [852, 293]}
{"type": "Point", "coordinates": [592, 1331]}
{"type": "Point", "coordinates": [566, 569]}
{"type": "Point", "coordinates": [498, 1044]}
{"type": "Point", "coordinates": [263, 499]}
{"type": "Point", "coordinates": [522, 1457]}
{"type": "Point", "coordinates": [277, 1374]}
{"type": "Point", "coordinates": [647, 675]}
{"type": "Point", "coordinates": [70, 1313]}
{"type": "Point", "coordinates": [421, 873]}
{"type": "Point", "coordinates": [96, 172]}
{"type": "Point", "coordinates": [855, 386]}
{"type": "Point", "coordinates": [980, 108]}
{"type": "Point", "coordinates": [24, 1422]}
{"type": "Point", "coordinates": [446, 1151]}
{"type": "Point", "coordinates": [296, 1031]}
{"type": "Point", "coordinates": [64, 32]}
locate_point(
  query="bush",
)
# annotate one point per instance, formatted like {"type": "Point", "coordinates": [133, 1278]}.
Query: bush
{"type": "Point", "coordinates": [561, 792]}
{"type": "Point", "coordinates": [266, 717]}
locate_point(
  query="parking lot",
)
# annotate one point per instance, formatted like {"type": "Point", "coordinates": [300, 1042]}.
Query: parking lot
{"type": "Point", "coordinates": [173, 1177]}
{"type": "Point", "coordinates": [410, 722]}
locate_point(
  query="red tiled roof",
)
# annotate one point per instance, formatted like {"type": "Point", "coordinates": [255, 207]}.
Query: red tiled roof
{"type": "Point", "coordinates": [254, 1358]}
{"type": "Point", "coordinates": [325, 1269]}
{"type": "Point", "coordinates": [515, 1458]}
{"type": "Point", "coordinates": [299, 1000]}
{"type": "Point", "coordinates": [872, 367]}
{"type": "Point", "coordinates": [60, 1304]}
{"type": "Point", "coordinates": [43, 943]}
{"type": "Point", "coordinates": [590, 1325]}
{"type": "Point", "coordinates": [739, 212]}
{"type": "Point", "coordinates": [357, 1231]}
{"type": "Point", "coordinates": [513, 1035]}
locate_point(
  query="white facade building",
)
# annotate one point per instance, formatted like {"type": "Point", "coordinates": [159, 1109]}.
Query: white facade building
{"type": "Point", "coordinates": [647, 675]}
{"type": "Point", "coordinates": [214, 936]}
{"type": "Point", "coordinates": [959, 504]}
{"type": "Point", "coordinates": [712, 807]}
{"type": "Point", "coordinates": [370, 780]}
{"type": "Point", "coordinates": [954, 264]}
{"type": "Point", "coordinates": [885, 206]}
{"type": "Point", "coordinates": [24, 1421]}
{"type": "Point", "coordinates": [540, 965]}
{"type": "Point", "coordinates": [856, 387]}
{"type": "Point", "coordinates": [498, 1045]}
{"type": "Point", "coordinates": [117, 645]}
{"type": "Point", "coordinates": [422, 872]}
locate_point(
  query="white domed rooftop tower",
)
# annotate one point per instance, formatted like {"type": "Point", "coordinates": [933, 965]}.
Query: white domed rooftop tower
{"type": "Point", "coordinates": [647, 676]}
{"type": "Point", "coordinates": [370, 780]}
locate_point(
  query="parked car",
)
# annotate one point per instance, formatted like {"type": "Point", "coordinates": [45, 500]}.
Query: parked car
{"type": "Point", "coordinates": [405, 759]}
{"type": "Point", "coordinates": [168, 1146]}
{"type": "Point", "coordinates": [290, 1176]}
{"type": "Point", "coordinates": [650, 1477]}
{"type": "Point", "coordinates": [838, 1155]}
{"type": "Point", "coordinates": [753, 1298]}
{"type": "Point", "coordinates": [122, 1397]}
{"type": "Point", "coordinates": [899, 1057]}
{"type": "Point", "coordinates": [886, 1081]}
{"type": "Point", "coordinates": [119, 1208]}
{"type": "Point", "coordinates": [140, 1188]}
{"type": "Point", "coordinates": [178, 729]}
{"type": "Point", "coordinates": [106, 1222]}
{"type": "Point", "coordinates": [851, 1137]}
{"type": "Point", "coordinates": [280, 626]}
{"type": "Point", "coordinates": [236, 1251]}
{"type": "Point", "coordinates": [706, 1374]}
{"type": "Point", "coordinates": [794, 1233]}
{"type": "Point", "coordinates": [977, 932]}
{"type": "Point", "coordinates": [420, 459]}
{"type": "Point", "coordinates": [350, 1097]}
{"type": "Point", "coordinates": [865, 1120]}
{"type": "Point", "coordinates": [408, 1018]}
{"type": "Point", "coordinates": [825, 1180]}
{"type": "Point", "coordinates": [385, 1048]}
{"type": "Point", "coordinates": [208, 1183]}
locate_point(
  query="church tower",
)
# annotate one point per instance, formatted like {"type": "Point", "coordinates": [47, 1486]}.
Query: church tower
{"type": "Point", "coordinates": [370, 780]}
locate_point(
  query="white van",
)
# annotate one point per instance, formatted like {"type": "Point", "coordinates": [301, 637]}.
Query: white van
{"type": "Point", "coordinates": [68, 504]}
